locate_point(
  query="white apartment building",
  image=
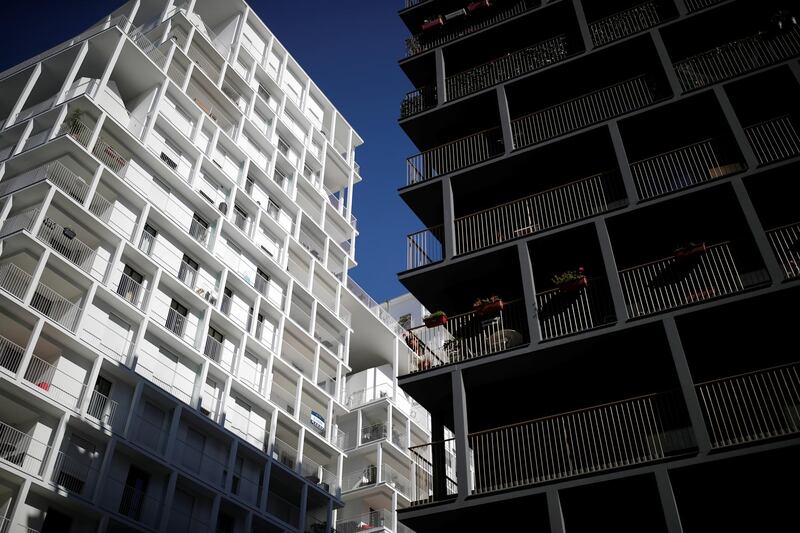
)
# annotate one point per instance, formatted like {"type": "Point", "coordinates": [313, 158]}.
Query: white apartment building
{"type": "Point", "coordinates": [181, 347]}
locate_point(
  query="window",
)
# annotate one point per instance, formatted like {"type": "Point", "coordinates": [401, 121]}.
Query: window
{"type": "Point", "coordinates": [133, 496]}
{"type": "Point", "coordinates": [176, 318]}
{"type": "Point", "coordinates": [187, 272]}
{"type": "Point", "coordinates": [237, 475]}
{"type": "Point", "coordinates": [148, 238]}
{"type": "Point", "coordinates": [199, 228]}
{"type": "Point", "coordinates": [283, 146]}
{"type": "Point", "coordinates": [214, 344]}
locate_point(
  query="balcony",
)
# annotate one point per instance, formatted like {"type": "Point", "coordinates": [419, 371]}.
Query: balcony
{"type": "Point", "coordinates": [455, 155]}
{"type": "Point", "coordinates": [585, 110]}
{"type": "Point", "coordinates": [397, 481]}
{"type": "Point", "coordinates": [76, 473]}
{"type": "Point", "coordinates": [199, 232]}
{"type": "Point", "coordinates": [785, 243]}
{"type": "Point", "coordinates": [751, 407]}
{"type": "Point", "coordinates": [379, 520]}
{"type": "Point", "coordinates": [430, 462]}
{"type": "Point", "coordinates": [176, 323]}
{"type": "Point", "coordinates": [375, 307]}
{"type": "Point", "coordinates": [56, 307]}
{"type": "Point", "coordinates": [626, 22]}
{"type": "Point", "coordinates": [468, 336]}
{"type": "Point", "coordinates": [587, 441]}
{"type": "Point", "coordinates": [564, 312]}
{"type": "Point", "coordinates": [64, 241]}
{"type": "Point", "coordinates": [774, 140]}
{"type": "Point", "coordinates": [131, 291]}
{"type": "Point", "coordinates": [131, 502]}
{"type": "Point", "coordinates": [736, 57]}
{"type": "Point", "coordinates": [102, 409]}
{"type": "Point", "coordinates": [14, 280]}
{"type": "Point", "coordinates": [417, 101]}
{"type": "Point", "coordinates": [370, 394]}
{"type": "Point", "coordinates": [54, 383]}
{"type": "Point", "coordinates": [678, 281]}
{"type": "Point", "coordinates": [22, 450]}
{"type": "Point", "coordinates": [425, 247]}
{"type": "Point", "coordinates": [201, 464]}
{"type": "Point", "coordinates": [697, 5]}
{"type": "Point", "coordinates": [10, 354]}
{"type": "Point", "coordinates": [213, 349]}
{"type": "Point", "coordinates": [285, 453]}
{"type": "Point", "coordinates": [453, 30]}
{"type": "Point", "coordinates": [374, 432]}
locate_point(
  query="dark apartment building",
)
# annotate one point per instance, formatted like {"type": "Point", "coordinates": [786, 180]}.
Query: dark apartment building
{"type": "Point", "coordinates": [609, 191]}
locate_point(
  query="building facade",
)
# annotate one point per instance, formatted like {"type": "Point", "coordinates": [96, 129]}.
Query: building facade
{"type": "Point", "coordinates": [181, 346]}
{"type": "Point", "coordinates": [611, 236]}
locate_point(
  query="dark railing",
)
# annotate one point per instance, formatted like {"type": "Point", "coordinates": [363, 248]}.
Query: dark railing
{"type": "Point", "coordinates": [434, 471]}
{"type": "Point", "coordinates": [627, 22]}
{"type": "Point", "coordinates": [785, 242]}
{"type": "Point", "coordinates": [425, 247]}
{"type": "Point", "coordinates": [418, 101]}
{"type": "Point", "coordinates": [510, 66]}
{"type": "Point", "coordinates": [582, 111]}
{"type": "Point", "coordinates": [566, 312]}
{"type": "Point", "coordinates": [453, 30]}
{"type": "Point", "coordinates": [735, 58]}
{"type": "Point", "coordinates": [751, 407]}
{"type": "Point", "coordinates": [697, 5]}
{"type": "Point", "coordinates": [455, 155]}
{"type": "Point", "coordinates": [682, 168]}
{"type": "Point", "coordinates": [541, 211]}
{"type": "Point", "coordinates": [774, 139]}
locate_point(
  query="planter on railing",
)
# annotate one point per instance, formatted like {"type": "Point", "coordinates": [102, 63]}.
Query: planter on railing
{"type": "Point", "coordinates": [750, 407]}
{"type": "Point", "coordinates": [774, 139]}
{"type": "Point", "coordinates": [582, 111]}
{"type": "Point", "coordinates": [785, 242]}
{"type": "Point", "coordinates": [682, 168]}
{"type": "Point", "coordinates": [575, 306]}
{"type": "Point", "coordinates": [425, 247]}
{"type": "Point", "coordinates": [455, 155]}
{"type": "Point", "coordinates": [736, 57]}
{"type": "Point", "coordinates": [627, 22]}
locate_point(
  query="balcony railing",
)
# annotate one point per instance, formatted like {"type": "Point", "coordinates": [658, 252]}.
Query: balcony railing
{"type": "Point", "coordinates": [55, 383]}
{"type": "Point", "coordinates": [582, 111]}
{"type": "Point", "coordinates": [76, 474]}
{"type": "Point", "coordinates": [370, 394]}
{"type": "Point", "coordinates": [785, 242]}
{"type": "Point", "coordinates": [117, 219]}
{"type": "Point", "coordinates": [55, 172]}
{"type": "Point", "coordinates": [147, 46]}
{"type": "Point", "coordinates": [455, 155]}
{"type": "Point", "coordinates": [373, 432]}
{"type": "Point", "coordinates": [102, 409]}
{"type": "Point", "coordinates": [422, 42]}
{"type": "Point", "coordinates": [434, 471]}
{"type": "Point", "coordinates": [285, 453]}
{"type": "Point", "coordinates": [563, 313]}
{"type": "Point", "coordinates": [586, 441]}
{"type": "Point", "coordinates": [530, 59]}
{"type": "Point", "coordinates": [425, 247]}
{"type": "Point", "coordinates": [10, 354]}
{"type": "Point", "coordinates": [213, 349]}
{"type": "Point", "coordinates": [378, 520]}
{"type": "Point", "coordinates": [394, 479]}
{"type": "Point", "coordinates": [79, 131]}
{"type": "Point", "coordinates": [14, 280]}
{"type": "Point", "coordinates": [774, 139]}
{"type": "Point", "coordinates": [132, 291]}
{"type": "Point", "coordinates": [22, 450]}
{"type": "Point", "coordinates": [199, 232]}
{"type": "Point", "coordinates": [735, 58]}
{"type": "Point", "coordinates": [375, 307]}
{"type": "Point", "coordinates": [359, 478]}
{"type": "Point", "coordinates": [751, 407]}
{"type": "Point", "coordinates": [176, 322]}
{"type": "Point", "coordinates": [682, 168]}
{"type": "Point", "coordinates": [541, 211]}
{"type": "Point", "coordinates": [131, 502]}
{"type": "Point", "coordinates": [627, 22]}
{"type": "Point", "coordinates": [186, 272]}
{"type": "Point", "coordinates": [20, 221]}
{"type": "Point", "coordinates": [418, 101]}
{"type": "Point", "coordinates": [71, 248]}
{"type": "Point", "coordinates": [697, 5]}
{"type": "Point", "coordinates": [674, 282]}
{"type": "Point", "coordinates": [56, 307]}
{"type": "Point", "coordinates": [468, 336]}
{"type": "Point", "coordinates": [109, 155]}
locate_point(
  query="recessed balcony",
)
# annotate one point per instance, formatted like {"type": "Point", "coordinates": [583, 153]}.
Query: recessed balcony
{"type": "Point", "coordinates": [609, 22]}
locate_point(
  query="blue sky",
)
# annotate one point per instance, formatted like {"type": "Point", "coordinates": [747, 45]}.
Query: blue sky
{"type": "Point", "coordinates": [350, 48]}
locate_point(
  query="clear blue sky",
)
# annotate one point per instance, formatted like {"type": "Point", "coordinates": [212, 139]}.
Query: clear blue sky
{"type": "Point", "coordinates": [350, 48]}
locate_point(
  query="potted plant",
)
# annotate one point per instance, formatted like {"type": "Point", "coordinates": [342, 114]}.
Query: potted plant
{"type": "Point", "coordinates": [439, 318]}
{"type": "Point", "coordinates": [689, 249]}
{"type": "Point", "coordinates": [571, 280]}
{"type": "Point", "coordinates": [474, 6]}
{"type": "Point", "coordinates": [74, 124]}
{"type": "Point", "coordinates": [432, 23]}
{"type": "Point", "coordinates": [488, 307]}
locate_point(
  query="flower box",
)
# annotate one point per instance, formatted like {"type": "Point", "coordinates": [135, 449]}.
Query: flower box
{"type": "Point", "coordinates": [690, 250]}
{"type": "Point", "coordinates": [574, 284]}
{"type": "Point", "coordinates": [488, 309]}
{"type": "Point", "coordinates": [480, 4]}
{"type": "Point", "coordinates": [435, 320]}
{"type": "Point", "coordinates": [433, 23]}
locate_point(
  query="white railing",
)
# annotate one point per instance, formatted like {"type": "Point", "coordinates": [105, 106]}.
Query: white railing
{"type": "Point", "coordinates": [282, 398]}
{"type": "Point", "coordinates": [736, 57]}
{"type": "Point", "coordinates": [582, 111]}
{"type": "Point", "coordinates": [393, 478]}
{"type": "Point", "coordinates": [22, 450]}
{"type": "Point", "coordinates": [455, 155]}
{"type": "Point", "coordinates": [117, 219]}
{"type": "Point", "coordinates": [544, 210]}
{"type": "Point", "coordinates": [10, 354]}
{"type": "Point", "coordinates": [14, 280]}
{"type": "Point", "coordinates": [186, 273]}
{"type": "Point", "coordinates": [681, 168]}
{"type": "Point", "coordinates": [313, 419]}
{"type": "Point", "coordinates": [148, 47]}
{"type": "Point", "coordinates": [285, 453]}
{"type": "Point", "coordinates": [168, 380]}
{"type": "Point", "coordinates": [18, 222]}
{"type": "Point", "coordinates": [425, 247]}
{"type": "Point", "coordinates": [213, 349]}
{"type": "Point", "coordinates": [109, 156]}
{"type": "Point", "coordinates": [785, 243]}
{"type": "Point", "coordinates": [132, 291]}
{"type": "Point", "coordinates": [623, 23]}
{"type": "Point", "coordinates": [467, 336]}
{"type": "Point", "coordinates": [673, 282]}
{"type": "Point", "coordinates": [774, 139]}
{"type": "Point", "coordinates": [376, 308]}
{"type": "Point", "coordinates": [55, 172]}
{"type": "Point", "coordinates": [369, 394]}
{"type": "Point", "coordinates": [146, 243]}
{"type": "Point", "coordinates": [360, 478]}
{"type": "Point", "coordinates": [374, 432]}
{"type": "Point", "coordinates": [79, 131]}
{"type": "Point", "coordinates": [102, 409]}
{"type": "Point", "coordinates": [562, 313]}
{"type": "Point", "coordinates": [57, 384]}
{"type": "Point", "coordinates": [199, 232]}
{"type": "Point", "coordinates": [379, 520]}
{"type": "Point", "coordinates": [754, 406]}
{"type": "Point", "coordinates": [235, 96]}
{"type": "Point", "coordinates": [247, 429]}
{"type": "Point", "coordinates": [176, 322]}
{"type": "Point", "coordinates": [697, 5]}
{"type": "Point", "coordinates": [73, 249]}
{"type": "Point", "coordinates": [76, 474]}
{"type": "Point", "coordinates": [326, 383]}
{"type": "Point", "coordinates": [56, 307]}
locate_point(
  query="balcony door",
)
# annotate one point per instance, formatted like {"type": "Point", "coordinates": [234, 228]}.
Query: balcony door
{"type": "Point", "coordinates": [133, 493]}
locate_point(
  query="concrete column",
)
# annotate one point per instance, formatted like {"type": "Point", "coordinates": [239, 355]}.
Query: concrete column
{"type": "Point", "coordinates": [774, 267]}
{"type": "Point", "coordinates": [441, 76]}
{"type": "Point", "coordinates": [505, 120]}
{"type": "Point", "coordinates": [620, 309]}
{"type": "Point", "coordinates": [303, 507]}
{"type": "Point", "coordinates": [15, 513]}
{"type": "Point", "coordinates": [262, 501]}
{"type": "Point", "coordinates": [87, 395]}
{"type": "Point", "coordinates": [28, 353]}
{"type": "Point", "coordinates": [449, 228]}
{"type": "Point", "coordinates": [137, 396]}
{"type": "Point", "coordinates": [36, 277]}
{"type": "Point", "coordinates": [668, 504]}
{"type": "Point", "coordinates": [166, 504]}
{"type": "Point", "coordinates": [624, 164]}
{"type": "Point", "coordinates": [379, 464]}
{"type": "Point", "coordinates": [55, 442]}
{"type": "Point", "coordinates": [172, 431]}
{"type": "Point", "coordinates": [666, 62]}
{"type": "Point", "coordinates": [199, 383]}
{"type": "Point", "coordinates": [529, 291]}
{"type": "Point", "coordinates": [583, 24]}
{"type": "Point", "coordinates": [231, 468]}
{"type": "Point", "coordinates": [554, 511]}
{"type": "Point", "coordinates": [736, 127]}
{"type": "Point", "coordinates": [23, 97]}
{"type": "Point", "coordinates": [438, 459]}
{"type": "Point", "coordinates": [73, 72]}
{"type": "Point", "coordinates": [461, 431]}
{"type": "Point", "coordinates": [105, 466]}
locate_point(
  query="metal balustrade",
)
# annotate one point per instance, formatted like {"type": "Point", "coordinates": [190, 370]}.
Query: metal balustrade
{"type": "Point", "coordinates": [55, 172]}
{"type": "Point", "coordinates": [117, 219]}
{"type": "Point", "coordinates": [148, 47]}
{"type": "Point", "coordinates": [55, 383]}
{"type": "Point", "coordinates": [509, 66]}
{"type": "Point", "coordinates": [109, 155]}
{"type": "Point", "coordinates": [674, 282]}
{"type": "Point", "coordinates": [582, 111]}
{"type": "Point", "coordinates": [774, 139]}
{"type": "Point", "coordinates": [467, 336]}
{"type": "Point", "coordinates": [736, 57]}
{"type": "Point", "coordinates": [10, 354]}
{"type": "Point", "coordinates": [72, 249]}
{"type": "Point", "coordinates": [374, 432]}
{"type": "Point", "coordinates": [785, 241]}
{"type": "Point", "coordinates": [176, 322]}
{"type": "Point", "coordinates": [370, 394]}
{"type": "Point", "coordinates": [357, 479]}
{"type": "Point", "coordinates": [566, 312]}
{"type": "Point", "coordinates": [425, 247]}
{"type": "Point", "coordinates": [213, 349]}
{"type": "Point", "coordinates": [538, 212]}
{"type": "Point", "coordinates": [199, 232]}
{"type": "Point", "coordinates": [682, 168]}
{"type": "Point", "coordinates": [285, 453]}
{"type": "Point", "coordinates": [626, 22]}
{"type": "Point", "coordinates": [79, 131]}
{"type": "Point", "coordinates": [374, 307]}
{"type": "Point", "coordinates": [750, 407]}
{"type": "Point", "coordinates": [76, 474]}
{"type": "Point", "coordinates": [18, 222]}
{"type": "Point", "coordinates": [697, 5]}
{"type": "Point", "coordinates": [417, 101]}
{"type": "Point", "coordinates": [423, 41]}
{"type": "Point", "coordinates": [59, 309]}
{"type": "Point", "coordinates": [396, 480]}
{"type": "Point", "coordinates": [132, 291]}
{"type": "Point", "coordinates": [102, 408]}
{"type": "Point", "coordinates": [22, 450]}
{"type": "Point", "coordinates": [14, 280]}
{"type": "Point", "coordinates": [585, 441]}
{"type": "Point", "coordinates": [434, 471]}
{"type": "Point", "coordinates": [455, 155]}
